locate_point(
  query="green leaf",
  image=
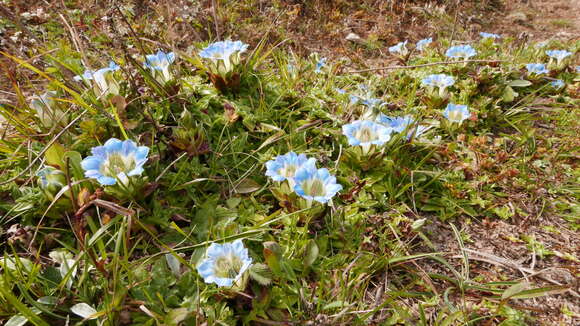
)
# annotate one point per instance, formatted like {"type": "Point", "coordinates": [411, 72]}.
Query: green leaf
{"type": "Point", "coordinates": [273, 255]}
{"type": "Point", "coordinates": [74, 163]}
{"type": "Point", "coordinates": [335, 304]}
{"type": "Point", "coordinates": [520, 291]}
{"type": "Point", "coordinates": [173, 264]}
{"type": "Point", "coordinates": [514, 289]}
{"type": "Point", "coordinates": [272, 139]}
{"type": "Point", "coordinates": [233, 202]}
{"type": "Point", "coordinates": [17, 320]}
{"type": "Point", "coordinates": [311, 253]}
{"type": "Point", "coordinates": [48, 300]}
{"type": "Point", "coordinates": [54, 155]}
{"type": "Point", "coordinates": [29, 313]}
{"type": "Point", "coordinates": [176, 316]}
{"type": "Point", "coordinates": [261, 274]}
{"type": "Point", "coordinates": [519, 83]}
{"type": "Point", "coordinates": [418, 224]}
{"type": "Point", "coordinates": [509, 94]}
{"type": "Point", "coordinates": [23, 265]}
{"type": "Point", "coordinates": [247, 186]}
{"type": "Point", "coordinates": [410, 257]}
{"type": "Point", "coordinates": [84, 310]}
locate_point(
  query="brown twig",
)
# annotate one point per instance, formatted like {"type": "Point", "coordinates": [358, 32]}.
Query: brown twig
{"type": "Point", "coordinates": [70, 187]}
{"type": "Point", "coordinates": [422, 65]}
{"type": "Point", "coordinates": [76, 41]}
{"type": "Point", "coordinates": [215, 19]}
{"type": "Point", "coordinates": [106, 205]}
{"type": "Point", "coordinates": [454, 22]}
{"type": "Point", "coordinates": [495, 260]}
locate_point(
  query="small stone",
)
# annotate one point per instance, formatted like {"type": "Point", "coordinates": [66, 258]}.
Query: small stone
{"type": "Point", "coordinates": [354, 38]}
{"type": "Point", "coordinates": [562, 35]}
{"type": "Point", "coordinates": [517, 17]}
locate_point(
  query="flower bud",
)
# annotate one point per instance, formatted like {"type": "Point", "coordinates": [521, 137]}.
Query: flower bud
{"type": "Point", "coordinates": [51, 181]}
{"type": "Point", "coordinates": [47, 109]}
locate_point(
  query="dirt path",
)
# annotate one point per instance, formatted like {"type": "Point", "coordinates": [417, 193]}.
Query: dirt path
{"type": "Point", "coordinates": [542, 19]}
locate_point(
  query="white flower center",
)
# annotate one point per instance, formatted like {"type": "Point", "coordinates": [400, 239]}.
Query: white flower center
{"type": "Point", "coordinates": [455, 115]}
{"type": "Point", "coordinates": [314, 187]}
{"type": "Point", "coordinates": [117, 163]}
{"type": "Point", "coordinates": [365, 135]}
{"type": "Point", "coordinates": [228, 266]}
{"type": "Point", "coordinates": [288, 171]}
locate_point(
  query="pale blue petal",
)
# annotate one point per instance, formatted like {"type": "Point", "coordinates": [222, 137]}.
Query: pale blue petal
{"type": "Point", "coordinates": [91, 163]}
{"type": "Point", "coordinates": [113, 145]}
{"type": "Point", "coordinates": [106, 181]}
{"type": "Point", "coordinates": [136, 171]}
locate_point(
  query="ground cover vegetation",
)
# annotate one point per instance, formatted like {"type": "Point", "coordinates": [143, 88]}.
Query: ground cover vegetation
{"type": "Point", "coordinates": [236, 181]}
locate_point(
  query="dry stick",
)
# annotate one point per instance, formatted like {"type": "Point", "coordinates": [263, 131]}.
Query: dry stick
{"type": "Point", "coordinates": [454, 22]}
{"type": "Point", "coordinates": [70, 187]}
{"type": "Point", "coordinates": [77, 41]}
{"type": "Point", "coordinates": [423, 65]}
{"type": "Point", "coordinates": [215, 21]}
{"type": "Point", "coordinates": [44, 149]}
{"type": "Point", "coordinates": [496, 260]}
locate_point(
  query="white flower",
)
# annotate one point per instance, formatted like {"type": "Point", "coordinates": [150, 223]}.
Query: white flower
{"type": "Point", "coordinates": [103, 79]}
{"type": "Point", "coordinates": [159, 65]}
{"type": "Point", "coordinates": [225, 264]}
{"type": "Point", "coordinates": [456, 113]}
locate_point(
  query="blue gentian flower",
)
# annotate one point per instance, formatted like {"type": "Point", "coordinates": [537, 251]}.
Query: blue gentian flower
{"type": "Point", "coordinates": [103, 79]}
{"type": "Point", "coordinates": [489, 35]}
{"type": "Point", "coordinates": [400, 48]}
{"type": "Point", "coordinates": [422, 44]}
{"type": "Point", "coordinates": [340, 91]}
{"type": "Point", "coordinates": [223, 50]}
{"type": "Point", "coordinates": [440, 81]}
{"type": "Point", "coordinates": [402, 124]}
{"type": "Point", "coordinates": [319, 65]}
{"type": "Point", "coordinates": [315, 184]}
{"type": "Point", "coordinates": [223, 55]}
{"type": "Point", "coordinates": [283, 167]}
{"type": "Point", "coordinates": [398, 124]}
{"type": "Point", "coordinates": [160, 62]}
{"type": "Point", "coordinates": [558, 83]}
{"type": "Point", "coordinates": [225, 264]}
{"type": "Point", "coordinates": [87, 75]}
{"type": "Point", "coordinates": [461, 51]}
{"type": "Point", "coordinates": [559, 55]}
{"type": "Point", "coordinates": [115, 160]}
{"type": "Point", "coordinates": [456, 113]}
{"type": "Point", "coordinates": [365, 133]}
{"type": "Point", "coordinates": [537, 68]}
